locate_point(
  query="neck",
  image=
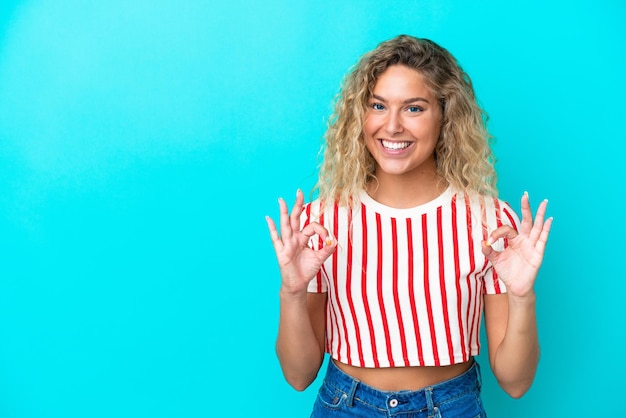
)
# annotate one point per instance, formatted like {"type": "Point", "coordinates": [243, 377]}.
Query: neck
{"type": "Point", "coordinates": [406, 191]}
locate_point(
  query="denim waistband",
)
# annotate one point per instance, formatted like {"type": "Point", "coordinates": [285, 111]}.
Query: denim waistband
{"type": "Point", "coordinates": [426, 398]}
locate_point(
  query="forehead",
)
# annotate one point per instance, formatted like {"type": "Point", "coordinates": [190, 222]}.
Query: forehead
{"type": "Point", "coordinates": [401, 80]}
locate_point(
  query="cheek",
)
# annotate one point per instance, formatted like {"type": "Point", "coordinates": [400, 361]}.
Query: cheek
{"type": "Point", "coordinates": [437, 132]}
{"type": "Point", "coordinates": [369, 135]}
{"type": "Point", "coordinates": [368, 127]}
{"type": "Point", "coordinates": [430, 130]}
{"type": "Point", "coordinates": [369, 143]}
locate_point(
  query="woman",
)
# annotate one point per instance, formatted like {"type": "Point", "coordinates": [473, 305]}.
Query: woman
{"type": "Point", "coordinates": [391, 268]}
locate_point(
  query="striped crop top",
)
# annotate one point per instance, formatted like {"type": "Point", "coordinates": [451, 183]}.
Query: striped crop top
{"type": "Point", "coordinates": [405, 286]}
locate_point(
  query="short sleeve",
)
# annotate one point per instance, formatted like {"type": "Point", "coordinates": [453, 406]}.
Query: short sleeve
{"type": "Point", "coordinates": [504, 215]}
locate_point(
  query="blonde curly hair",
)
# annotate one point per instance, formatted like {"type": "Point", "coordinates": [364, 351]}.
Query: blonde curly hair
{"type": "Point", "coordinates": [463, 152]}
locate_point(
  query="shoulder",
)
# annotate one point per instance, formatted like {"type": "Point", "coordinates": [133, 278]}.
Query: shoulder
{"type": "Point", "coordinates": [491, 208]}
{"type": "Point", "coordinates": [318, 209]}
{"type": "Point", "coordinates": [481, 200]}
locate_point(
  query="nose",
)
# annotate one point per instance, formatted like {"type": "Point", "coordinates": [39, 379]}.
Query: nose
{"type": "Point", "coordinates": [393, 123]}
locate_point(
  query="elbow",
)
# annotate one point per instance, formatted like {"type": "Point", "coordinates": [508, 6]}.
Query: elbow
{"type": "Point", "coordinates": [299, 386]}
{"type": "Point", "coordinates": [516, 381]}
{"type": "Point", "coordinates": [299, 374]}
{"type": "Point", "coordinates": [517, 393]}
{"type": "Point", "coordinates": [516, 390]}
{"type": "Point", "coordinates": [300, 383]}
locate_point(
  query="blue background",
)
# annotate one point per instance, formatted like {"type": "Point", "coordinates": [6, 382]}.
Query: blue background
{"type": "Point", "coordinates": [142, 143]}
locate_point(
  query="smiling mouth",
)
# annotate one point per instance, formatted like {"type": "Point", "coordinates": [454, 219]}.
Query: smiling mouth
{"type": "Point", "coordinates": [394, 146]}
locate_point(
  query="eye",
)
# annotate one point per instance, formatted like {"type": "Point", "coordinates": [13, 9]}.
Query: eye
{"type": "Point", "coordinates": [414, 109]}
{"type": "Point", "coordinates": [377, 106]}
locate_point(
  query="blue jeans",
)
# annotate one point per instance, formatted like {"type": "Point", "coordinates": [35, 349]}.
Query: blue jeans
{"type": "Point", "coordinates": [343, 396]}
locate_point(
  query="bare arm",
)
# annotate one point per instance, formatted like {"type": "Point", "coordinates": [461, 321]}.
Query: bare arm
{"type": "Point", "coordinates": [510, 318]}
{"type": "Point", "coordinates": [513, 342]}
{"type": "Point", "coordinates": [300, 343]}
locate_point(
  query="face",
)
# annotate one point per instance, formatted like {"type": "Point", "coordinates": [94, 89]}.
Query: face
{"type": "Point", "coordinates": [402, 124]}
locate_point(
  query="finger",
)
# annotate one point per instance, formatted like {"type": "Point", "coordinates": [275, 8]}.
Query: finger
{"type": "Point", "coordinates": [278, 244]}
{"type": "Point", "coordinates": [327, 242]}
{"type": "Point", "coordinates": [527, 215]}
{"type": "Point", "coordinates": [297, 211]}
{"type": "Point", "coordinates": [488, 251]}
{"type": "Point", "coordinates": [539, 221]}
{"type": "Point", "coordinates": [330, 246]}
{"type": "Point", "coordinates": [314, 228]}
{"type": "Point", "coordinates": [543, 237]}
{"type": "Point", "coordinates": [285, 227]}
{"type": "Point", "coordinates": [505, 231]}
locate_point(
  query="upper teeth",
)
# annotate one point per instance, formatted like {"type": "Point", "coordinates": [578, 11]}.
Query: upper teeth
{"type": "Point", "coordinates": [395, 145]}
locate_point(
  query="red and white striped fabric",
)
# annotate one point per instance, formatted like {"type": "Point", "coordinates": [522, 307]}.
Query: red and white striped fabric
{"type": "Point", "coordinates": [405, 286]}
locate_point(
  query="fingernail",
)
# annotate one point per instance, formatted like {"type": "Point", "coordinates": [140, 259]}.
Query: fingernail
{"type": "Point", "coordinates": [488, 243]}
{"type": "Point", "coordinates": [329, 240]}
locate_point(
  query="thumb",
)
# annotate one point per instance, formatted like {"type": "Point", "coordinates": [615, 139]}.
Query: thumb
{"type": "Point", "coordinates": [487, 250]}
{"type": "Point", "coordinates": [330, 246]}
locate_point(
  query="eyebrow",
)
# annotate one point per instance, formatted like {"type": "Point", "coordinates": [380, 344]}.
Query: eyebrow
{"type": "Point", "coordinates": [411, 100]}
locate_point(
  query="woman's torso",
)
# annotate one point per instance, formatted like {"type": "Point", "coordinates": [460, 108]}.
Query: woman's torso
{"type": "Point", "coordinates": [404, 378]}
{"type": "Point", "coordinates": [405, 288]}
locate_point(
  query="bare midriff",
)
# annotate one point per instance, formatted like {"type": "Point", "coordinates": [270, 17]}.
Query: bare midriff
{"type": "Point", "coordinates": [403, 378]}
